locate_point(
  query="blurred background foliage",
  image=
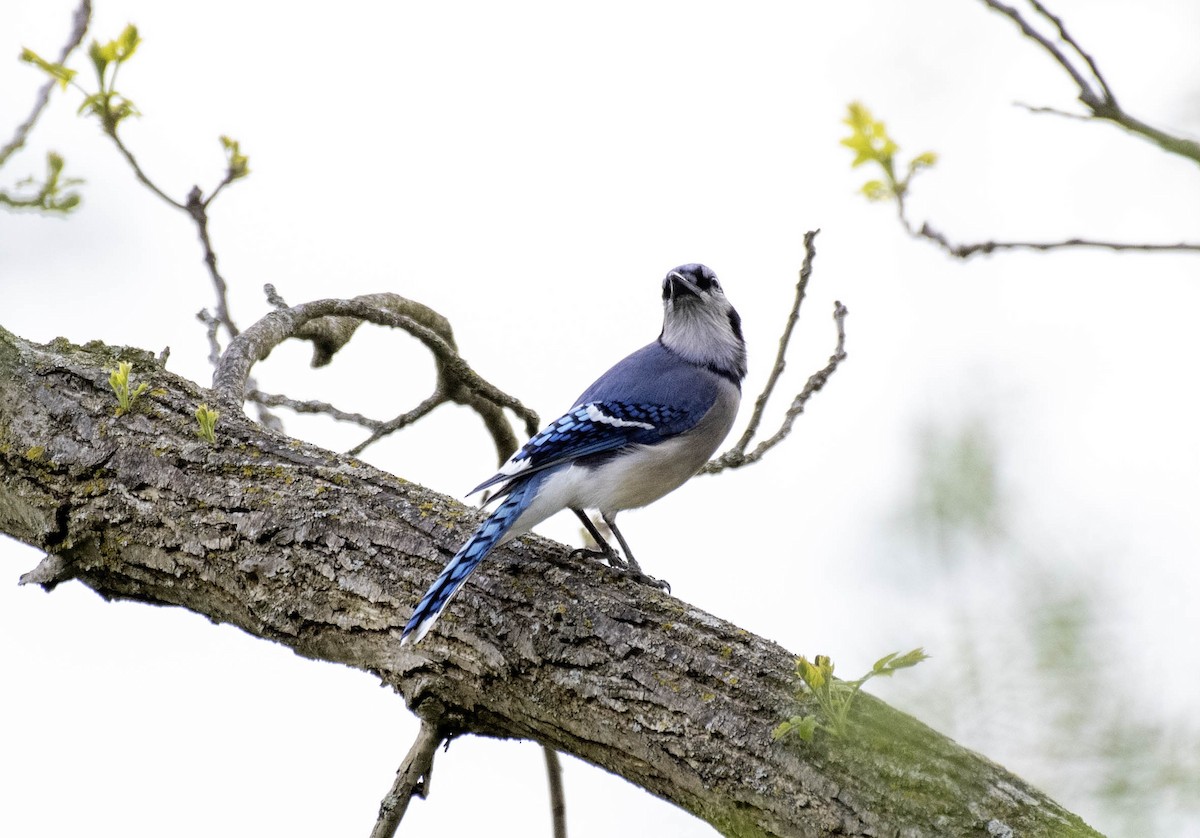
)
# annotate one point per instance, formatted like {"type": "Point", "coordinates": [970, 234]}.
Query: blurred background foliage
{"type": "Point", "coordinates": [1033, 667]}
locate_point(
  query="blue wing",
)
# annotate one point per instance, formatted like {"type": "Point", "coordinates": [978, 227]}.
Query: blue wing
{"type": "Point", "coordinates": [590, 429]}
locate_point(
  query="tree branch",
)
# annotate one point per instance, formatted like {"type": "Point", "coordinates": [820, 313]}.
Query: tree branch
{"type": "Point", "coordinates": [331, 323]}
{"type": "Point", "coordinates": [326, 555]}
{"type": "Point", "coordinates": [1094, 92]}
{"type": "Point", "coordinates": [736, 456]}
{"type": "Point", "coordinates": [558, 803]}
{"type": "Point", "coordinates": [412, 780]}
{"type": "Point", "coordinates": [1098, 97]}
{"type": "Point", "coordinates": [966, 251]}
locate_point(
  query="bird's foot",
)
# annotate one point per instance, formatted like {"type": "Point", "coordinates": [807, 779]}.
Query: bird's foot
{"type": "Point", "coordinates": [646, 579]}
{"type": "Point", "coordinates": [611, 556]}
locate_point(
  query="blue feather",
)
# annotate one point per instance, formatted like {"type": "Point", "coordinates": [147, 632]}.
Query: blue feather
{"type": "Point", "coordinates": [455, 573]}
{"type": "Point", "coordinates": [589, 429]}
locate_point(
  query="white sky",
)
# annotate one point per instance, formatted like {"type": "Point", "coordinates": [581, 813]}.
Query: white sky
{"type": "Point", "coordinates": [531, 171]}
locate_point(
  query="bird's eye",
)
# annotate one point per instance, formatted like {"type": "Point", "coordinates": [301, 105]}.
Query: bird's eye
{"type": "Point", "coordinates": [716, 285]}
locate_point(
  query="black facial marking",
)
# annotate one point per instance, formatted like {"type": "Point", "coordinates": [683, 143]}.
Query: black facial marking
{"type": "Point", "coordinates": [735, 323]}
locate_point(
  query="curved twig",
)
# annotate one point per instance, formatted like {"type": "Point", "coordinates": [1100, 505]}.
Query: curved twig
{"type": "Point", "coordinates": [457, 381]}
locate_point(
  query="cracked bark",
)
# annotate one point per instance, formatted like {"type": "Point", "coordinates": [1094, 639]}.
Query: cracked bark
{"type": "Point", "coordinates": [325, 554]}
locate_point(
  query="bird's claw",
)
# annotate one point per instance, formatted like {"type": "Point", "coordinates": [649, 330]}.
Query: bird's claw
{"type": "Point", "coordinates": [645, 579]}
{"type": "Point", "coordinates": [628, 568]}
{"type": "Point", "coordinates": [611, 556]}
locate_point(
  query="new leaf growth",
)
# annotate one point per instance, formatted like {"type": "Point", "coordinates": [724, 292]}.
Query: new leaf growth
{"type": "Point", "coordinates": [118, 379]}
{"type": "Point", "coordinates": [833, 697]}
{"type": "Point", "coordinates": [870, 142]}
{"type": "Point", "coordinates": [207, 419]}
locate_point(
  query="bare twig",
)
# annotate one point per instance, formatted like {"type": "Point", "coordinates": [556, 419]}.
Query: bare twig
{"type": "Point", "coordinates": [558, 804]}
{"type": "Point", "coordinates": [1101, 103]}
{"type": "Point", "coordinates": [810, 252]}
{"type": "Point", "coordinates": [737, 456]}
{"type": "Point", "coordinates": [412, 780]}
{"type": "Point", "coordinates": [80, 21]}
{"type": "Point", "coordinates": [196, 206]}
{"type": "Point", "coordinates": [1094, 90]}
{"type": "Point", "coordinates": [198, 210]}
{"type": "Point", "coordinates": [211, 326]}
{"type": "Point", "coordinates": [138, 172]}
{"type": "Point", "coordinates": [405, 419]}
{"type": "Point", "coordinates": [965, 251]}
{"type": "Point", "coordinates": [815, 382]}
{"type": "Point", "coordinates": [274, 299]}
{"type": "Point", "coordinates": [312, 407]}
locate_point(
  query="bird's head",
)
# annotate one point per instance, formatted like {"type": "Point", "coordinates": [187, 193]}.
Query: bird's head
{"type": "Point", "coordinates": [700, 324]}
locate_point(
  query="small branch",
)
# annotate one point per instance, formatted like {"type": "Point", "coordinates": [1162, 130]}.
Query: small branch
{"type": "Point", "coordinates": [273, 297]}
{"type": "Point", "coordinates": [456, 378]}
{"type": "Point", "coordinates": [403, 421]}
{"type": "Point", "coordinates": [966, 251]}
{"type": "Point", "coordinates": [198, 210]}
{"type": "Point", "coordinates": [312, 407]}
{"type": "Point", "coordinates": [1095, 92]}
{"type": "Point", "coordinates": [737, 456]}
{"type": "Point", "coordinates": [51, 570]}
{"type": "Point", "coordinates": [760, 403]}
{"type": "Point", "coordinates": [80, 21]}
{"type": "Point", "coordinates": [558, 803]}
{"type": "Point", "coordinates": [196, 206]}
{"type": "Point", "coordinates": [211, 325]}
{"type": "Point", "coordinates": [138, 172]}
{"type": "Point", "coordinates": [412, 780]}
{"type": "Point", "coordinates": [815, 382]}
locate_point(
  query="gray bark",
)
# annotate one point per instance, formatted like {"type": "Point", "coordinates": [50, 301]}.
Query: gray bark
{"type": "Point", "coordinates": [327, 555]}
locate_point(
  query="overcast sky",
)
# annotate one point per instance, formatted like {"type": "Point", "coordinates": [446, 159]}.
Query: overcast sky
{"type": "Point", "coordinates": [531, 171]}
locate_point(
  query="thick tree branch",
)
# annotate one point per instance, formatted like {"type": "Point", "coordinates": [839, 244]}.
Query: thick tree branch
{"type": "Point", "coordinates": [326, 555]}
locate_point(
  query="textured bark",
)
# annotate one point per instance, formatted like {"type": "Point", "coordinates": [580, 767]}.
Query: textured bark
{"type": "Point", "coordinates": [327, 555]}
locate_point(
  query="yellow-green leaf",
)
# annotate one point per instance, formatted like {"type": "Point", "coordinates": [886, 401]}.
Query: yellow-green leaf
{"type": "Point", "coordinates": [56, 71]}
{"type": "Point", "coordinates": [127, 42]}
{"type": "Point", "coordinates": [99, 60]}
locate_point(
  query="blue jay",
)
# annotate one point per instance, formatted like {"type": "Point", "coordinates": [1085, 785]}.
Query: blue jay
{"type": "Point", "coordinates": [639, 432]}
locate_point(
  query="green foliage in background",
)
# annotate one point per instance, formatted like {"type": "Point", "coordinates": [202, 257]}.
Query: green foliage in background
{"type": "Point", "coordinates": [112, 108]}
{"type": "Point", "coordinates": [870, 142]}
{"type": "Point", "coordinates": [50, 195]}
{"type": "Point", "coordinates": [105, 103]}
{"type": "Point", "coordinates": [1036, 670]}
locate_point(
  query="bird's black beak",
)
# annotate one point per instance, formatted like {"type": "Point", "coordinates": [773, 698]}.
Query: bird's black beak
{"type": "Point", "coordinates": [676, 284]}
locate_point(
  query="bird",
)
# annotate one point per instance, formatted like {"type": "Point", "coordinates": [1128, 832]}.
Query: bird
{"type": "Point", "coordinates": [639, 432]}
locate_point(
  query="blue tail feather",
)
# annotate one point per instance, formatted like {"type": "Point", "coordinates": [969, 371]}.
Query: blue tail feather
{"type": "Point", "coordinates": [455, 574]}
